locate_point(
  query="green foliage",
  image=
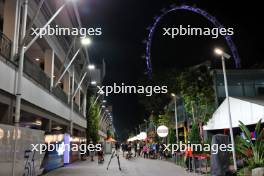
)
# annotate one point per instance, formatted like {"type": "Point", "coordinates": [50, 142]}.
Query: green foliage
{"type": "Point", "coordinates": [155, 103]}
{"type": "Point", "coordinates": [194, 136]}
{"type": "Point", "coordinates": [194, 86]}
{"type": "Point", "coordinates": [164, 119]}
{"type": "Point", "coordinates": [93, 115]}
{"type": "Point", "coordinates": [252, 151]}
{"type": "Point", "coordinates": [171, 136]}
{"type": "Point", "coordinates": [197, 92]}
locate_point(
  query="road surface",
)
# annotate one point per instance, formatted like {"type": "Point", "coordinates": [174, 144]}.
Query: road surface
{"type": "Point", "coordinates": [133, 167]}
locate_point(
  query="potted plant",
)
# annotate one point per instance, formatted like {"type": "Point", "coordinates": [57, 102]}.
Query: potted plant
{"type": "Point", "coordinates": [252, 150]}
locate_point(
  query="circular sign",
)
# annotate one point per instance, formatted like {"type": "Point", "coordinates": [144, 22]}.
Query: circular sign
{"type": "Point", "coordinates": [162, 131]}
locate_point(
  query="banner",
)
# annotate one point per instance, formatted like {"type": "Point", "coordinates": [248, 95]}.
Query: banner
{"type": "Point", "coordinates": [27, 162]}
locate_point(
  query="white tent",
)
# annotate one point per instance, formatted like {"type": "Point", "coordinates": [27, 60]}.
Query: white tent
{"type": "Point", "coordinates": [247, 110]}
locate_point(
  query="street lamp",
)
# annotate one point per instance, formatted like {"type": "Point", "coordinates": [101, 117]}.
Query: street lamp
{"type": "Point", "coordinates": [227, 56]}
{"type": "Point", "coordinates": [174, 96]}
{"type": "Point", "coordinates": [91, 67]}
{"type": "Point", "coordinates": [93, 82]}
{"type": "Point", "coordinates": [73, 58]}
{"type": "Point", "coordinates": [86, 41]}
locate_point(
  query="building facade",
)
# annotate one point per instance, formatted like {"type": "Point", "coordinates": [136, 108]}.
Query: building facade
{"type": "Point", "coordinates": [47, 102]}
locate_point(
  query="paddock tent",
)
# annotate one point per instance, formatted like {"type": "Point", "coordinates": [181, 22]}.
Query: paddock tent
{"type": "Point", "coordinates": [247, 110]}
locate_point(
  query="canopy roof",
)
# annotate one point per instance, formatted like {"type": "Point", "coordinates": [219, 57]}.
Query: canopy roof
{"type": "Point", "coordinates": [247, 110]}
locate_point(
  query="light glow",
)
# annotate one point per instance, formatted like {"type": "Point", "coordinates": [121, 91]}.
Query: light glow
{"type": "Point", "coordinates": [86, 41]}
{"type": "Point", "coordinates": [218, 51]}
{"type": "Point", "coordinates": [93, 82]}
{"type": "Point", "coordinates": [91, 67]}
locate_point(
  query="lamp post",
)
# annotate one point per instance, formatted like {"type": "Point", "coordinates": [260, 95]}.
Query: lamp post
{"type": "Point", "coordinates": [146, 125]}
{"type": "Point", "coordinates": [223, 57]}
{"type": "Point", "coordinates": [176, 116]}
{"type": "Point", "coordinates": [74, 92]}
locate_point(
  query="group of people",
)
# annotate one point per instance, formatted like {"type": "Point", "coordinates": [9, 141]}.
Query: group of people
{"type": "Point", "coordinates": [144, 149]}
{"type": "Point", "coordinates": [152, 151]}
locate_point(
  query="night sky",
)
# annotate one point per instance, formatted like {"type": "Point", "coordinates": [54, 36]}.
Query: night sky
{"type": "Point", "coordinates": [124, 24]}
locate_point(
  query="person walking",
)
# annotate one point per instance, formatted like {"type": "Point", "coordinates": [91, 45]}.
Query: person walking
{"type": "Point", "coordinates": [92, 152]}
{"type": "Point", "coordinates": [123, 146]}
{"type": "Point", "coordinates": [161, 148]}
{"type": "Point", "coordinates": [188, 159]}
{"type": "Point", "coordinates": [135, 148]}
{"type": "Point", "coordinates": [145, 151]}
{"type": "Point", "coordinates": [138, 149]}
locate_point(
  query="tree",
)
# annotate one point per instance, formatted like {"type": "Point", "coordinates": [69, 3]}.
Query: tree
{"type": "Point", "coordinates": [164, 119]}
{"type": "Point", "coordinates": [197, 92]}
{"type": "Point", "coordinates": [194, 136]}
{"type": "Point", "coordinates": [154, 104]}
{"type": "Point", "coordinates": [194, 86]}
{"type": "Point", "coordinates": [93, 114]}
{"type": "Point", "coordinates": [171, 136]}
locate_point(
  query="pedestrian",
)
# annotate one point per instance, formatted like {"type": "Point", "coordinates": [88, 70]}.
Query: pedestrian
{"type": "Point", "coordinates": [188, 159]}
{"type": "Point", "coordinates": [123, 146]}
{"type": "Point", "coordinates": [129, 147]}
{"type": "Point", "coordinates": [161, 151]}
{"type": "Point", "coordinates": [92, 152]}
{"type": "Point", "coordinates": [141, 148]}
{"type": "Point", "coordinates": [100, 154]}
{"type": "Point", "coordinates": [138, 148]}
{"type": "Point", "coordinates": [145, 151]}
{"type": "Point", "coordinates": [135, 148]}
{"type": "Point", "coordinates": [83, 149]}
{"type": "Point", "coordinates": [157, 150]}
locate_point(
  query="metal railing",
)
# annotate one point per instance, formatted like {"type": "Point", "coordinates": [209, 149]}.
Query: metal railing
{"type": "Point", "coordinates": [36, 73]}
{"type": "Point", "coordinates": [59, 93]}
{"type": "Point", "coordinates": [5, 46]}
{"type": "Point", "coordinates": [75, 107]}
{"type": "Point", "coordinates": [33, 71]}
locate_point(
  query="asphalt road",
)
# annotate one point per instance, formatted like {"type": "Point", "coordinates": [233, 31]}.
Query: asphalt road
{"type": "Point", "coordinates": [133, 167]}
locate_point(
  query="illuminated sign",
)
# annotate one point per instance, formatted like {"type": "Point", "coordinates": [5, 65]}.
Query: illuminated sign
{"type": "Point", "coordinates": [162, 131]}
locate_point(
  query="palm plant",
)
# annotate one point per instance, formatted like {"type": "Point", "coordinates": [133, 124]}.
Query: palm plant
{"type": "Point", "coordinates": [252, 151]}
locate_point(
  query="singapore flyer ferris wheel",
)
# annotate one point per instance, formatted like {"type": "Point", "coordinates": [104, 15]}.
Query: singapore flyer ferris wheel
{"type": "Point", "coordinates": [198, 11]}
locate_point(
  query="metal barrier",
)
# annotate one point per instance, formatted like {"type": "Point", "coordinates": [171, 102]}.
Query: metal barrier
{"type": "Point", "coordinates": [33, 71]}
{"type": "Point", "coordinates": [5, 46]}
{"type": "Point", "coordinates": [59, 93]}
{"type": "Point", "coordinates": [36, 73]}
{"type": "Point", "coordinates": [76, 107]}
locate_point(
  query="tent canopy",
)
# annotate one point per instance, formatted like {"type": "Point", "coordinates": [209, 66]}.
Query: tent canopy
{"type": "Point", "coordinates": [247, 110]}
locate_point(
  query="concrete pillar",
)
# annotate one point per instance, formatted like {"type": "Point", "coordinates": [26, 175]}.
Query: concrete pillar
{"type": "Point", "coordinates": [9, 18]}
{"type": "Point", "coordinates": [77, 98]}
{"type": "Point", "coordinates": [50, 125]}
{"type": "Point", "coordinates": [66, 85]}
{"type": "Point", "coordinates": [48, 62]}
{"type": "Point", "coordinates": [84, 104]}
{"type": "Point", "coordinates": [49, 65]}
